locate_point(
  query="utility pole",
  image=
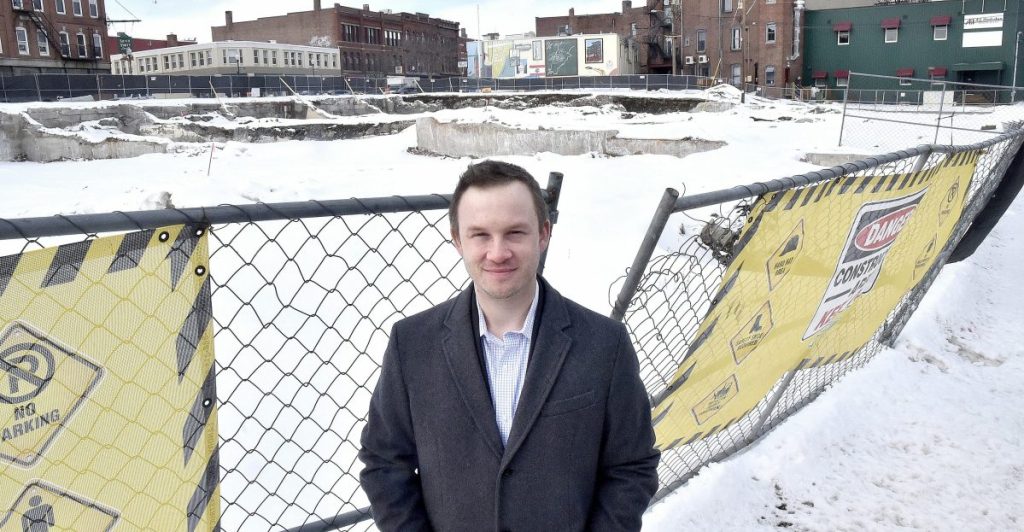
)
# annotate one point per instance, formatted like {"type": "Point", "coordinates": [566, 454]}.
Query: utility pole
{"type": "Point", "coordinates": [1016, 51]}
{"type": "Point", "coordinates": [677, 35]}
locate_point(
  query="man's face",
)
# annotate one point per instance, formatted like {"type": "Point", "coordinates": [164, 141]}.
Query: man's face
{"type": "Point", "coordinates": [500, 240]}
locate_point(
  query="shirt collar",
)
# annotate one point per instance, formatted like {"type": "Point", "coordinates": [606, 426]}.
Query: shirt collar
{"type": "Point", "coordinates": [526, 330]}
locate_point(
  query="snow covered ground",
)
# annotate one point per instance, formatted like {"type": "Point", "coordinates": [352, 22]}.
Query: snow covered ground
{"type": "Point", "coordinates": [928, 436]}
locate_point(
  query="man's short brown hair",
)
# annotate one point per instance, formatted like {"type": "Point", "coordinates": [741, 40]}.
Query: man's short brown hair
{"type": "Point", "coordinates": [487, 174]}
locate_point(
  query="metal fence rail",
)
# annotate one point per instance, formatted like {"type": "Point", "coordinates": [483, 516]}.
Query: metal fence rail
{"type": "Point", "coordinates": [664, 296]}
{"type": "Point", "coordinates": [303, 295]}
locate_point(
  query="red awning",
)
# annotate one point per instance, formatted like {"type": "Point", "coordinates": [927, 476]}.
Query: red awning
{"type": "Point", "coordinates": [937, 71]}
{"type": "Point", "coordinates": [819, 74]}
{"type": "Point", "coordinates": [842, 74]}
{"type": "Point", "coordinates": [905, 72]}
{"type": "Point", "coordinates": [890, 23]}
{"type": "Point", "coordinates": [941, 20]}
{"type": "Point", "coordinates": [842, 26]}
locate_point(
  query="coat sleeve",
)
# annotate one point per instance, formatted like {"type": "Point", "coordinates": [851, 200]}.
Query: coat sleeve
{"type": "Point", "coordinates": [628, 472]}
{"type": "Point", "coordinates": [390, 477]}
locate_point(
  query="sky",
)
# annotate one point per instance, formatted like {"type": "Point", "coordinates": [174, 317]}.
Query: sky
{"type": "Point", "coordinates": [194, 19]}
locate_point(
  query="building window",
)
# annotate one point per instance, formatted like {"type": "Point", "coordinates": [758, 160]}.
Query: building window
{"type": "Point", "coordinates": [843, 38]}
{"type": "Point", "coordinates": [842, 78]}
{"type": "Point", "coordinates": [726, 6]}
{"type": "Point", "coordinates": [44, 45]}
{"type": "Point", "coordinates": [94, 9]}
{"type": "Point", "coordinates": [59, 4]}
{"type": "Point", "coordinates": [892, 35]}
{"type": "Point", "coordinates": [905, 82]}
{"type": "Point", "coordinates": [538, 53]}
{"type": "Point", "coordinates": [17, 4]}
{"type": "Point", "coordinates": [737, 40]}
{"type": "Point", "coordinates": [737, 74]}
{"type": "Point", "coordinates": [192, 59]}
{"type": "Point", "coordinates": [702, 41]}
{"type": "Point", "coordinates": [769, 33]}
{"type": "Point", "coordinates": [167, 63]}
{"type": "Point", "coordinates": [65, 44]}
{"type": "Point", "coordinates": [940, 33]}
{"type": "Point", "coordinates": [37, 5]}
{"type": "Point", "coordinates": [821, 83]}
{"type": "Point", "coordinates": [22, 35]}
{"type": "Point", "coordinates": [769, 75]}
{"type": "Point", "coordinates": [97, 46]}
{"type": "Point", "coordinates": [76, 8]}
{"type": "Point", "coordinates": [273, 57]}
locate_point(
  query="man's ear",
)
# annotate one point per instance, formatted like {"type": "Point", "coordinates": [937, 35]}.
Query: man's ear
{"type": "Point", "coordinates": [456, 240]}
{"type": "Point", "coordinates": [545, 235]}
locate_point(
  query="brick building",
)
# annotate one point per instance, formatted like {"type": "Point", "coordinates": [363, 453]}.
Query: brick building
{"type": "Point", "coordinates": [637, 27]}
{"type": "Point", "coordinates": [370, 42]}
{"type": "Point", "coordinates": [753, 41]}
{"type": "Point", "coordinates": [141, 44]}
{"type": "Point", "coordinates": [53, 36]}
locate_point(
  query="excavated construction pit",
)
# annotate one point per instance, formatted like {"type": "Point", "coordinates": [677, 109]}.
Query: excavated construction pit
{"type": "Point", "coordinates": [130, 129]}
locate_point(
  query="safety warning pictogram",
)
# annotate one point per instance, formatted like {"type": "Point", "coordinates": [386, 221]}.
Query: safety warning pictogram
{"type": "Point", "coordinates": [716, 399]}
{"type": "Point", "coordinates": [748, 337]}
{"type": "Point", "coordinates": [44, 507]}
{"type": "Point", "coordinates": [780, 263]}
{"type": "Point", "coordinates": [41, 386]}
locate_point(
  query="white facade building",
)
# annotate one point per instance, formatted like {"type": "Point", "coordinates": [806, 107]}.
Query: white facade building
{"type": "Point", "coordinates": [230, 57]}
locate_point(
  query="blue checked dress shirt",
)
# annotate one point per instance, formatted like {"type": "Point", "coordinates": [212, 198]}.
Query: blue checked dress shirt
{"type": "Point", "coordinates": [506, 360]}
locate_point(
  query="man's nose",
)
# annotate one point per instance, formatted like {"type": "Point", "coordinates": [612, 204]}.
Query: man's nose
{"type": "Point", "coordinates": [499, 250]}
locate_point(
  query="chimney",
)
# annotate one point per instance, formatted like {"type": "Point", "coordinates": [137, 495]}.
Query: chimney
{"type": "Point", "coordinates": [172, 40]}
{"type": "Point", "coordinates": [228, 19]}
{"type": "Point", "coordinates": [626, 6]}
{"type": "Point", "coordinates": [464, 36]}
{"type": "Point", "coordinates": [572, 12]}
{"type": "Point", "coordinates": [316, 5]}
{"type": "Point", "coordinates": [366, 7]}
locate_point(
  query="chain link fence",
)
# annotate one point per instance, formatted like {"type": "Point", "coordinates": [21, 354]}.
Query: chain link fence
{"type": "Point", "coordinates": [665, 296]}
{"type": "Point", "coordinates": [927, 111]}
{"type": "Point", "coordinates": [303, 296]}
{"type": "Point", "coordinates": [53, 87]}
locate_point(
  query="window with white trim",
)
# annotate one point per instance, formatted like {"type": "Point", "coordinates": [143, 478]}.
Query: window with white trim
{"type": "Point", "coordinates": [769, 32]}
{"type": "Point", "coordinates": [821, 83]}
{"type": "Point", "coordinates": [97, 45]}
{"type": "Point", "coordinates": [83, 51]}
{"type": "Point", "coordinates": [737, 41]}
{"type": "Point", "coordinates": [22, 36]}
{"type": "Point", "coordinates": [37, 5]}
{"type": "Point", "coordinates": [192, 59]}
{"type": "Point", "coordinates": [892, 35]}
{"type": "Point", "coordinates": [769, 75]}
{"type": "Point", "coordinates": [737, 74]}
{"type": "Point", "coordinates": [940, 33]}
{"type": "Point", "coordinates": [842, 82]}
{"type": "Point", "coordinates": [76, 8]}
{"type": "Point", "coordinates": [65, 44]}
{"type": "Point", "coordinates": [938, 79]}
{"type": "Point", "coordinates": [17, 4]}
{"type": "Point", "coordinates": [42, 43]}
{"type": "Point", "coordinates": [905, 82]}
{"type": "Point", "coordinates": [59, 4]}
{"type": "Point", "coordinates": [726, 6]}
{"type": "Point", "coordinates": [843, 37]}
{"type": "Point", "coordinates": [702, 41]}
{"type": "Point", "coordinates": [94, 9]}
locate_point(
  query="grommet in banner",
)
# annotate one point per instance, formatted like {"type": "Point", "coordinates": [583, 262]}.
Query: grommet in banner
{"type": "Point", "coordinates": [164, 235]}
{"type": "Point", "coordinates": [207, 402]}
{"type": "Point", "coordinates": [200, 270]}
{"type": "Point", "coordinates": [199, 231]}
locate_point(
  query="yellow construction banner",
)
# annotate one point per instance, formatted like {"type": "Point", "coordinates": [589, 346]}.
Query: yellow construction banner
{"type": "Point", "coordinates": [107, 392]}
{"type": "Point", "coordinates": [816, 272]}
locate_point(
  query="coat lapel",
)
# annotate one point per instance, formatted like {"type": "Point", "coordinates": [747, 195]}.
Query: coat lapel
{"type": "Point", "coordinates": [551, 347]}
{"type": "Point", "coordinates": [460, 350]}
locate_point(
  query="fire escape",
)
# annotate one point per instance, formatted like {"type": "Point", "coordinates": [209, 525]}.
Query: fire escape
{"type": "Point", "coordinates": [48, 30]}
{"type": "Point", "coordinates": [659, 49]}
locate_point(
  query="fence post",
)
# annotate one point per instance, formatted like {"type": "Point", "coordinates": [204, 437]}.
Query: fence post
{"type": "Point", "coordinates": [554, 190]}
{"type": "Point", "coordinates": [926, 152]}
{"type": "Point", "coordinates": [146, 79]}
{"type": "Point", "coordinates": [39, 93]}
{"type": "Point", "coordinates": [846, 98]}
{"type": "Point", "coordinates": [938, 121]}
{"type": "Point", "coordinates": [758, 426]}
{"type": "Point", "coordinates": [643, 255]}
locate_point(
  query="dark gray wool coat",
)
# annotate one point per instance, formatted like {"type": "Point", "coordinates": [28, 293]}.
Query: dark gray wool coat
{"type": "Point", "coordinates": [580, 455]}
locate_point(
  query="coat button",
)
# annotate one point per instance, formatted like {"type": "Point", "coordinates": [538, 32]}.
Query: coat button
{"type": "Point", "coordinates": [506, 473]}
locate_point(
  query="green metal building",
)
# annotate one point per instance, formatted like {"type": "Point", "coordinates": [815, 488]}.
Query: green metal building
{"type": "Point", "coordinates": [968, 41]}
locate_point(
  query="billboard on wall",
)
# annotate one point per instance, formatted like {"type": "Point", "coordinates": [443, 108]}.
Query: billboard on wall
{"type": "Point", "coordinates": [561, 57]}
{"type": "Point", "coordinates": [107, 393]}
{"type": "Point", "coordinates": [816, 272]}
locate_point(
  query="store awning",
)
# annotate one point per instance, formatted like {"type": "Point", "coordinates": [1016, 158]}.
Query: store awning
{"type": "Point", "coordinates": [967, 67]}
{"type": "Point", "coordinates": [842, 74]}
{"type": "Point", "coordinates": [890, 23]}
{"type": "Point", "coordinates": [941, 20]}
{"type": "Point", "coordinates": [905, 72]}
{"type": "Point", "coordinates": [937, 71]}
{"type": "Point", "coordinates": [819, 74]}
{"type": "Point", "coordinates": [842, 26]}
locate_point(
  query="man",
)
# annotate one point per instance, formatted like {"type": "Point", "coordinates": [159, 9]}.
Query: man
{"type": "Point", "coordinates": [508, 407]}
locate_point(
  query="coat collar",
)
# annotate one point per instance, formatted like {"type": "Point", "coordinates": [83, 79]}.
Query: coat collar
{"type": "Point", "coordinates": [551, 347]}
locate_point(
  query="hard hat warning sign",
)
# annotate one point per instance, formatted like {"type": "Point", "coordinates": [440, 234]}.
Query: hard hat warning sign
{"type": "Point", "coordinates": [43, 507]}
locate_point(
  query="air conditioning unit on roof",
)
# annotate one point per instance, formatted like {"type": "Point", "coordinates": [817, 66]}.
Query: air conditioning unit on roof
{"type": "Point", "coordinates": [702, 59]}
{"type": "Point", "coordinates": [688, 60]}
